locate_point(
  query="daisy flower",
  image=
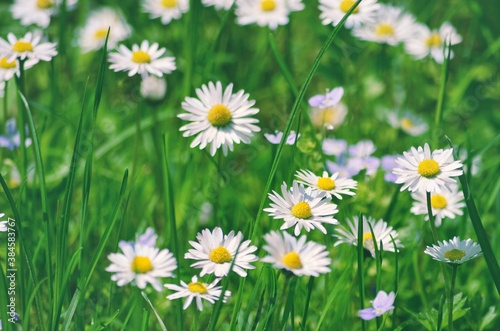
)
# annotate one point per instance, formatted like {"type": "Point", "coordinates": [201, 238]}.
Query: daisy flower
{"type": "Point", "coordinates": [93, 35]}
{"type": "Point", "coordinates": [219, 118]}
{"type": "Point", "coordinates": [422, 170]}
{"type": "Point", "coordinates": [407, 122]}
{"type": "Point", "coordinates": [332, 12]}
{"type": "Point", "coordinates": [167, 10]}
{"type": "Point", "coordinates": [216, 252]}
{"type": "Point", "coordinates": [197, 290]}
{"type": "Point", "coordinates": [142, 60]}
{"type": "Point", "coordinates": [271, 13]}
{"type": "Point", "coordinates": [455, 251]}
{"type": "Point", "coordinates": [444, 204]}
{"type": "Point", "coordinates": [302, 208]}
{"type": "Point", "coordinates": [3, 224]}
{"type": "Point", "coordinates": [29, 48]}
{"type": "Point", "coordinates": [381, 230]}
{"type": "Point", "coordinates": [294, 5]}
{"type": "Point", "coordinates": [390, 26]}
{"type": "Point", "coordinates": [296, 255]}
{"type": "Point", "coordinates": [9, 68]}
{"type": "Point", "coordinates": [141, 264]}
{"type": "Point", "coordinates": [331, 185]}
{"type": "Point", "coordinates": [218, 4]}
{"type": "Point", "coordinates": [432, 42]}
{"type": "Point", "coordinates": [275, 138]}
{"type": "Point", "coordinates": [382, 303]}
{"type": "Point", "coordinates": [37, 11]}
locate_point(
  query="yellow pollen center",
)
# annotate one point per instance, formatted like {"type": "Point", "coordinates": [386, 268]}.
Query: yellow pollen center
{"type": "Point", "coordinates": [220, 255]}
{"type": "Point", "coordinates": [406, 124]}
{"type": "Point", "coordinates": [197, 288]}
{"type": "Point", "coordinates": [428, 168]}
{"type": "Point", "coordinates": [384, 30]}
{"type": "Point", "coordinates": [141, 57]}
{"type": "Point", "coordinates": [434, 40]}
{"type": "Point", "coordinates": [44, 4]}
{"type": "Point", "coordinates": [141, 264]}
{"type": "Point", "coordinates": [292, 260]}
{"type": "Point", "coordinates": [347, 4]}
{"type": "Point", "coordinates": [22, 46]}
{"type": "Point", "coordinates": [454, 254]}
{"type": "Point", "coordinates": [100, 33]}
{"type": "Point", "coordinates": [326, 183]}
{"type": "Point", "coordinates": [169, 3]}
{"type": "Point", "coordinates": [7, 65]}
{"type": "Point", "coordinates": [267, 5]}
{"type": "Point", "coordinates": [367, 240]}
{"type": "Point", "coordinates": [219, 115]}
{"type": "Point", "coordinates": [438, 201]}
{"type": "Point", "coordinates": [302, 210]}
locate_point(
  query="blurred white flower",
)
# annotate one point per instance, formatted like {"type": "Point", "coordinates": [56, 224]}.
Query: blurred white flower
{"type": "Point", "coordinates": [332, 12]}
{"type": "Point", "coordinates": [29, 48]}
{"type": "Point", "coordinates": [166, 10]}
{"type": "Point", "coordinates": [37, 12]}
{"type": "Point", "coordinates": [271, 13]}
{"type": "Point", "coordinates": [407, 122]}
{"type": "Point", "coordinates": [153, 88]}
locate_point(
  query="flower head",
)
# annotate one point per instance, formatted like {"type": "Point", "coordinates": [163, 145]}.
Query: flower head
{"type": "Point", "coordinates": [216, 252]}
{"type": "Point", "coordinates": [408, 123]}
{"type": "Point", "coordinates": [302, 208]}
{"type": "Point", "coordinates": [296, 255]}
{"type": "Point", "coordinates": [197, 290]}
{"type": "Point", "coordinates": [381, 230]}
{"type": "Point", "coordinates": [219, 118]}
{"type": "Point", "coordinates": [327, 110]}
{"type": "Point", "coordinates": [218, 4]}
{"type": "Point", "coordinates": [382, 303]}
{"type": "Point", "coordinates": [12, 137]}
{"type": "Point", "coordinates": [37, 12]}
{"type": "Point", "coordinates": [335, 147]}
{"type": "Point", "coordinates": [424, 171]}
{"type": "Point", "coordinates": [332, 12]}
{"type": "Point", "coordinates": [29, 48]}
{"type": "Point", "coordinates": [271, 13]}
{"type": "Point", "coordinates": [331, 185]}
{"type": "Point", "coordinates": [275, 138]}
{"type": "Point", "coordinates": [167, 10]}
{"type": "Point", "coordinates": [143, 60]}
{"type": "Point", "coordinates": [455, 251]}
{"type": "Point", "coordinates": [141, 264]}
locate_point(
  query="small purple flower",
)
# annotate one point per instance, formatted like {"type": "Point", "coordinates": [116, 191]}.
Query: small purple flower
{"type": "Point", "coordinates": [275, 138]}
{"type": "Point", "coordinates": [343, 170]}
{"type": "Point", "coordinates": [327, 100]}
{"type": "Point", "coordinates": [148, 238]}
{"type": "Point", "coordinates": [12, 137]}
{"type": "Point", "coordinates": [382, 303]}
{"type": "Point", "coordinates": [388, 164]}
{"type": "Point", "coordinates": [370, 163]}
{"type": "Point", "coordinates": [334, 146]}
{"type": "Point", "coordinates": [362, 149]}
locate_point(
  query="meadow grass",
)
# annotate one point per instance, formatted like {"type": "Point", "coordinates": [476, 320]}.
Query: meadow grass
{"type": "Point", "coordinates": [105, 164]}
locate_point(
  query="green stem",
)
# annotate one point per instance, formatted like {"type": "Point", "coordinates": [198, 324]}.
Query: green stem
{"type": "Point", "coordinates": [432, 221]}
{"type": "Point", "coordinates": [450, 300]}
{"type": "Point", "coordinates": [361, 269]}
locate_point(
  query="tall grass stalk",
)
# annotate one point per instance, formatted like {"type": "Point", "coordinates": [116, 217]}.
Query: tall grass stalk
{"type": "Point", "coordinates": [450, 298]}
{"type": "Point", "coordinates": [361, 279]}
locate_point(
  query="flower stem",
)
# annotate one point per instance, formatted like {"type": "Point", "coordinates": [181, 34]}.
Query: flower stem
{"type": "Point", "coordinates": [450, 300]}
{"type": "Point", "coordinates": [432, 222]}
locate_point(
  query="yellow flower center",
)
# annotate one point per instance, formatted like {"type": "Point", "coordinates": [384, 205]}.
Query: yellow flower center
{"type": "Point", "coordinates": [406, 124]}
{"type": "Point", "coordinates": [302, 210]}
{"type": "Point", "coordinates": [384, 30]}
{"type": "Point", "coordinates": [22, 46]}
{"type": "Point", "coordinates": [347, 4]}
{"type": "Point", "coordinates": [44, 4]}
{"type": "Point", "coordinates": [141, 264]}
{"type": "Point", "coordinates": [428, 168]}
{"type": "Point", "coordinates": [454, 254]}
{"type": "Point", "coordinates": [220, 255]}
{"type": "Point", "coordinates": [292, 260]}
{"type": "Point", "coordinates": [100, 33]}
{"type": "Point", "coordinates": [368, 240]}
{"type": "Point", "coordinates": [219, 115]}
{"type": "Point", "coordinates": [141, 57]}
{"type": "Point", "coordinates": [7, 65]}
{"type": "Point", "coordinates": [434, 40]}
{"type": "Point", "coordinates": [267, 5]}
{"type": "Point", "coordinates": [169, 3]}
{"type": "Point", "coordinates": [438, 201]}
{"type": "Point", "coordinates": [326, 183]}
{"type": "Point", "coordinates": [197, 287]}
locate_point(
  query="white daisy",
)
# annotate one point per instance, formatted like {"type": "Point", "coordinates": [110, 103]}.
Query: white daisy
{"type": "Point", "coordinates": [302, 208]}
{"type": "Point", "coordinates": [153, 88]}
{"type": "Point", "coordinates": [141, 264]}
{"type": "Point", "coordinates": [216, 252]}
{"type": "Point", "coordinates": [93, 35]}
{"type": "Point", "coordinates": [34, 11]}
{"type": "Point", "coordinates": [444, 204]}
{"type": "Point", "coordinates": [197, 290]}
{"type": "Point", "coordinates": [3, 225]}
{"type": "Point", "coordinates": [332, 12]}
{"type": "Point", "coordinates": [425, 171]}
{"type": "Point", "coordinates": [294, 5]}
{"type": "Point", "coordinates": [407, 122]}
{"type": "Point", "coordinates": [167, 10]}
{"type": "Point", "coordinates": [328, 117]}
{"type": "Point", "coordinates": [271, 13]}
{"type": "Point", "coordinates": [8, 68]}
{"type": "Point", "coordinates": [296, 255]}
{"type": "Point", "coordinates": [142, 60]}
{"type": "Point", "coordinates": [331, 185]}
{"type": "Point", "coordinates": [28, 48]}
{"type": "Point", "coordinates": [381, 230]}
{"type": "Point", "coordinates": [390, 26]}
{"type": "Point", "coordinates": [454, 251]}
{"type": "Point", "coordinates": [219, 118]}
{"type": "Point", "coordinates": [432, 42]}
{"type": "Point", "coordinates": [218, 4]}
